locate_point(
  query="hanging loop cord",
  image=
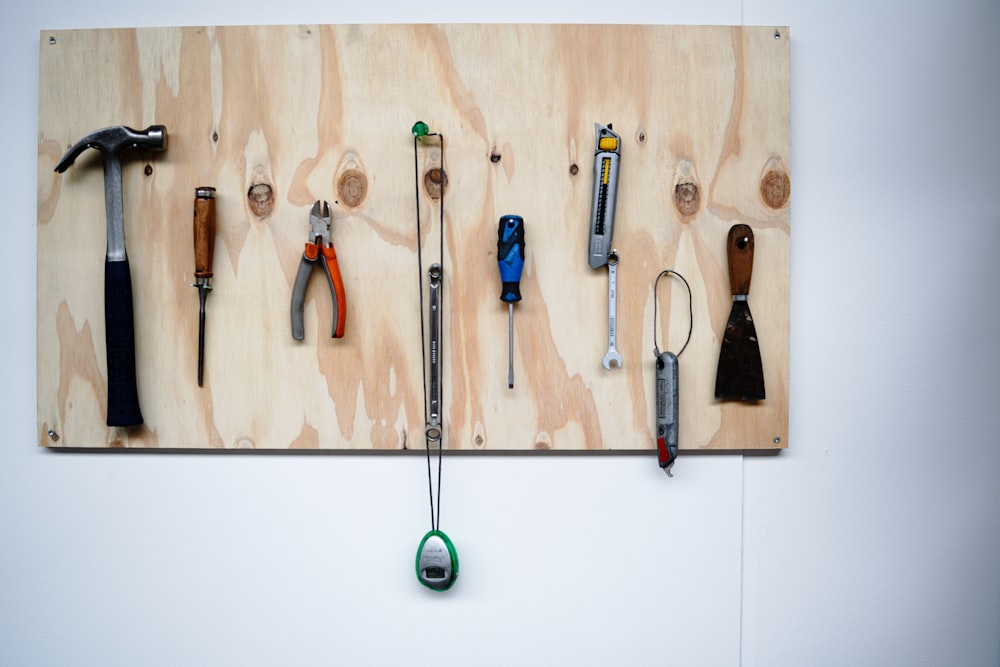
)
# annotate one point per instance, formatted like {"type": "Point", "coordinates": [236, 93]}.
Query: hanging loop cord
{"type": "Point", "coordinates": [435, 514]}
{"type": "Point", "coordinates": [656, 349]}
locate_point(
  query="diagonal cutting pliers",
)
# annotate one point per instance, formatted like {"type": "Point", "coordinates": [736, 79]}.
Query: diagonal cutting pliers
{"type": "Point", "coordinates": [319, 246]}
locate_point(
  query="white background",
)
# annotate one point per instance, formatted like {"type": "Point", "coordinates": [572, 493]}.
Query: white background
{"type": "Point", "coordinates": [874, 540]}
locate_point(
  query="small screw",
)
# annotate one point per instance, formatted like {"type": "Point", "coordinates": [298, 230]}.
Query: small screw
{"type": "Point", "coordinates": [777, 34]}
{"type": "Point", "coordinates": [148, 170]}
{"type": "Point", "coordinates": [52, 40]}
{"type": "Point", "coordinates": [479, 440]}
{"type": "Point", "coordinates": [53, 435]}
{"type": "Point", "coordinates": [777, 439]}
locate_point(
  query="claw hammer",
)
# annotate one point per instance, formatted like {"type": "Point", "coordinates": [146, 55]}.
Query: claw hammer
{"type": "Point", "coordinates": [112, 142]}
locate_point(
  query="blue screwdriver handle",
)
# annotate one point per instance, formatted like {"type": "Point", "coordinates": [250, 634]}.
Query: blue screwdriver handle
{"type": "Point", "coordinates": [510, 256]}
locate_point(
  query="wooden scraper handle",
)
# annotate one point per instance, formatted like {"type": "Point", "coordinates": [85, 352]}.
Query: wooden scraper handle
{"type": "Point", "coordinates": [739, 248]}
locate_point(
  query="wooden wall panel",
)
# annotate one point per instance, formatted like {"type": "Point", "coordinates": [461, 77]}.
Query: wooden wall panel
{"type": "Point", "coordinates": [704, 116]}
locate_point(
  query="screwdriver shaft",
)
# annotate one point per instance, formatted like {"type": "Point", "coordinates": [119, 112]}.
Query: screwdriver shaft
{"type": "Point", "coordinates": [510, 355]}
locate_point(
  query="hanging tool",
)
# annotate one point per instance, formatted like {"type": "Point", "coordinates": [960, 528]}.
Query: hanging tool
{"type": "Point", "coordinates": [740, 374]}
{"type": "Point", "coordinates": [612, 357]}
{"type": "Point", "coordinates": [602, 225]}
{"type": "Point", "coordinates": [319, 245]}
{"type": "Point", "coordinates": [119, 327]}
{"type": "Point", "coordinates": [437, 560]}
{"type": "Point", "coordinates": [204, 249]}
{"type": "Point", "coordinates": [602, 209]}
{"type": "Point", "coordinates": [667, 393]}
{"type": "Point", "coordinates": [434, 277]}
{"type": "Point", "coordinates": [510, 259]}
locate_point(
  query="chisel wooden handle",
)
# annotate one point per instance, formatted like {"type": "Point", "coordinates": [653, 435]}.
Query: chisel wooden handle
{"type": "Point", "coordinates": [204, 231]}
{"type": "Point", "coordinates": [739, 248]}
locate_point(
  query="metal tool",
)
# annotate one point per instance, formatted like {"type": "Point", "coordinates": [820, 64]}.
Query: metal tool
{"type": "Point", "coordinates": [612, 357]}
{"type": "Point", "coordinates": [666, 409]}
{"type": "Point", "coordinates": [740, 374]}
{"type": "Point", "coordinates": [319, 245]}
{"type": "Point", "coordinates": [437, 561]}
{"type": "Point", "coordinates": [204, 250]}
{"type": "Point", "coordinates": [112, 142]}
{"type": "Point", "coordinates": [510, 259]}
{"type": "Point", "coordinates": [433, 428]}
{"type": "Point", "coordinates": [667, 387]}
{"type": "Point", "coordinates": [602, 210]}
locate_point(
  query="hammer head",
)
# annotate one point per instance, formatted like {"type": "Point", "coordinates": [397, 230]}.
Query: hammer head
{"type": "Point", "coordinates": [113, 141]}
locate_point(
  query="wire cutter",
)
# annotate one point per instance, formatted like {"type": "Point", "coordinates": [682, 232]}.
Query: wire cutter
{"type": "Point", "coordinates": [319, 245]}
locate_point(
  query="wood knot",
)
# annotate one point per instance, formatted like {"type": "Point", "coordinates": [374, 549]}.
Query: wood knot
{"type": "Point", "coordinates": [775, 188]}
{"type": "Point", "coordinates": [495, 157]}
{"type": "Point", "coordinates": [640, 136]}
{"type": "Point", "coordinates": [435, 181]}
{"type": "Point", "coordinates": [148, 170]}
{"type": "Point", "coordinates": [260, 196]}
{"type": "Point", "coordinates": [543, 441]}
{"type": "Point", "coordinates": [479, 436]}
{"type": "Point", "coordinates": [573, 170]}
{"type": "Point", "coordinates": [244, 442]}
{"type": "Point", "coordinates": [686, 198]}
{"type": "Point", "coordinates": [352, 187]}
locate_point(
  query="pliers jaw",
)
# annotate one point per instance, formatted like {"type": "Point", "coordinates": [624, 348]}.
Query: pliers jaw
{"type": "Point", "coordinates": [319, 223]}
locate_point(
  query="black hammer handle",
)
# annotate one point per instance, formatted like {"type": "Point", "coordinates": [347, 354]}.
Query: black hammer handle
{"type": "Point", "coordinates": [123, 397]}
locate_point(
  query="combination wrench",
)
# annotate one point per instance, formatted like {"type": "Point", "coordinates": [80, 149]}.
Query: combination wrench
{"type": "Point", "coordinates": [612, 357]}
{"type": "Point", "coordinates": [433, 429]}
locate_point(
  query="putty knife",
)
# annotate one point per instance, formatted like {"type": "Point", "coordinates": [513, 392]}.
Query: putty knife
{"type": "Point", "coordinates": [740, 376]}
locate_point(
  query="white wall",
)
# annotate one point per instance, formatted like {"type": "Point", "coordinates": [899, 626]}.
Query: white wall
{"type": "Point", "coordinates": [874, 540]}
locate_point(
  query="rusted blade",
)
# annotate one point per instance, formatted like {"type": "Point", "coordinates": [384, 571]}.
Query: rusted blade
{"type": "Point", "coordinates": [740, 376]}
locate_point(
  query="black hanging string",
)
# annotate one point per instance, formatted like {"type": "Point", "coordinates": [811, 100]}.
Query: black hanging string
{"type": "Point", "coordinates": [656, 349]}
{"type": "Point", "coordinates": [435, 518]}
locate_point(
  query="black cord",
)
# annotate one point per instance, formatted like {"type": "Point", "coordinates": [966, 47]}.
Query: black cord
{"type": "Point", "coordinates": [656, 349]}
{"type": "Point", "coordinates": [435, 519]}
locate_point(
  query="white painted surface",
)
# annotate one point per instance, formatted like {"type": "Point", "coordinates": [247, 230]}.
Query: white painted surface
{"type": "Point", "coordinates": [873, 540]}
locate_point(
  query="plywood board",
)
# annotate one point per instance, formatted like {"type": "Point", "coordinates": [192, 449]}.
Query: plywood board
{"type": "Point", "coordinates": [309, 113]}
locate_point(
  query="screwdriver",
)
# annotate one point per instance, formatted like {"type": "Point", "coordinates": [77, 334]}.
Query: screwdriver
{"type": "Point", "coordinates": [204, 249]}
{"type": "Point", "coordinates": [510, 259]}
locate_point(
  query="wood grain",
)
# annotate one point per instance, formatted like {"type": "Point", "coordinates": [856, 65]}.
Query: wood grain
{"type": "Point", "coordinates": [277, 117]}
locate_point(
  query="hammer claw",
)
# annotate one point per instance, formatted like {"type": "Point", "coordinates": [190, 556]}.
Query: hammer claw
{"type": "Point", "coordinates": [115, 140]}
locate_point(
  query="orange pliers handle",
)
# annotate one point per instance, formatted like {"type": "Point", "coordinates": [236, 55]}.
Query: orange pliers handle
{"type": "Point", "coordinates": [331, 268]}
